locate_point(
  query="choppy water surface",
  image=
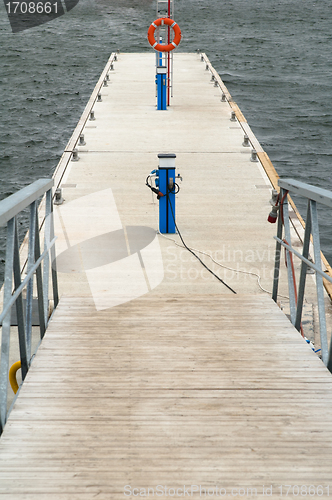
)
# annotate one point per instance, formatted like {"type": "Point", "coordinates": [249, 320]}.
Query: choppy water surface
{"type": "Point", "coordinates": [275, 58]}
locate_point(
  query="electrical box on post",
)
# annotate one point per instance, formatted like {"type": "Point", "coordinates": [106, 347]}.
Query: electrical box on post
{"type": "Point", "coordinates": [161, 88]}
{"type": "Point", "coordinates": [167, 187]}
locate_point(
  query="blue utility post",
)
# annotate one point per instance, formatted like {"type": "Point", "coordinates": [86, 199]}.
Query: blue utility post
{"type": "Point", "coordinates": [161, 88]}
{"type": "Point", "coordinates": [167, 187]}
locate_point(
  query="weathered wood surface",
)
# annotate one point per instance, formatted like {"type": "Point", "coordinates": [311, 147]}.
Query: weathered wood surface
{"type": "Point", "coordinates": [173, 391]}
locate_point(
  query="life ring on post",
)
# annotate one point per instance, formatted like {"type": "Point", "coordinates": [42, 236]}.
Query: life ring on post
{"type": "Point", "coordinates": [177, 34]}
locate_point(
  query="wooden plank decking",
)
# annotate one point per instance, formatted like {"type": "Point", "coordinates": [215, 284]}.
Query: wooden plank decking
{"type": "Point", "coordinates": [171, 391]}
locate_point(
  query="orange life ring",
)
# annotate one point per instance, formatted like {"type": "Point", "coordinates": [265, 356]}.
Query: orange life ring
{"type": "Point", "coordinates": [177, 35]}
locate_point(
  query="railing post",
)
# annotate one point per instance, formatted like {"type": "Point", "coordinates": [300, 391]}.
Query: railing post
{"type": "Point", "coordinates": [53, 256]}
{"type": "Point", "coordinates": [31, 253]}
{"type": "Point", "coordinates": [303, 275]}
{"type": "Point", "coordinates": [277, 258]}
{"type": "Point", "coordinates": [290, 274]}
{"type": "Point", "coordinates": [19, 307]}
{"type": "Point", "coordinates": [5, 342]}
{"type": "Point", "coordinates": [39, 280]}
{"type": "Point", "coordinates": [47, 240]}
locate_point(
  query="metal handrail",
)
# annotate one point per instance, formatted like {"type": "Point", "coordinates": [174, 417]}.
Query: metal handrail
{"type": "Point", "coordinates": [9, 209]}
{"type": "Point", "coordinates": [314, 195]}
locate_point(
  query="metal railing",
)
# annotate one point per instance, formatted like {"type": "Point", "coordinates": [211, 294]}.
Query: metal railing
{"type": "Point", "coordinates": [38, 264]}
{"type": "Point", "coordinates": [314, 195]}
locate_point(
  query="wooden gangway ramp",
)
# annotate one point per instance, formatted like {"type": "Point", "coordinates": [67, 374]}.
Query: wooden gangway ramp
{"type": "Point", "coordinates": [179, 393]}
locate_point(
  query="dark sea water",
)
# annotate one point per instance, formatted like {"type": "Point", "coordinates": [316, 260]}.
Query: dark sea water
{"type": "Point", "coordinates": [274, 56]}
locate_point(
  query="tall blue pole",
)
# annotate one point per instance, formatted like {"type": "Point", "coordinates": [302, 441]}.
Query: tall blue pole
{"type": "Point", "coordinates": [161, 88]}
{"type": "Point", "coordinates": [167, 187]}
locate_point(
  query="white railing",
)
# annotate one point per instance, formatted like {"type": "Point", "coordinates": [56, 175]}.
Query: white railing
{"type": "Point", "coordinates": [313, 195]}
{"type": "Point", "coordinates": [38, 264]}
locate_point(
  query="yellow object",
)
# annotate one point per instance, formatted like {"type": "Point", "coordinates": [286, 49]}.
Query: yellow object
{"type": "Point", "coordinates": [12, 375]}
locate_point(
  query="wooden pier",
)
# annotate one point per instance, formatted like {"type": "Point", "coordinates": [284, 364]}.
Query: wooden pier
{"type": "Point", "coordinates": [152, 373]}
{"type": "Point", "coordinates": [211, 391]}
